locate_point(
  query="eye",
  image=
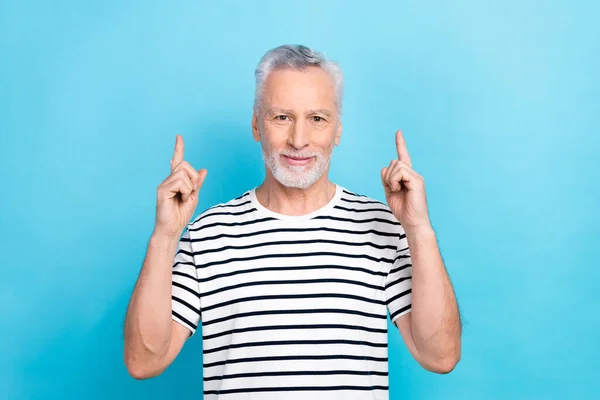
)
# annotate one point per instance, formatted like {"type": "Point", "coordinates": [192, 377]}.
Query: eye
{"type": "Point", "coordinates": [281, 117]}
{"type": "Point", "coordinates": [316, 118]}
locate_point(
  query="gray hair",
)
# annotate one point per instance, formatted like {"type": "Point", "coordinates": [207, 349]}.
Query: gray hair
{"type": "Point", "coordinates": [297, 57]}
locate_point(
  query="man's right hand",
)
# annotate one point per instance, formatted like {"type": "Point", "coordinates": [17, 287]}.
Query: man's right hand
{"type": "Point", "coordinates": [177, 195]}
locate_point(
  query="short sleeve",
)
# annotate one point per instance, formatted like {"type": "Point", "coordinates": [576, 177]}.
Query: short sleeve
{"type": "Point", "coordinates": [185, 296]}
{"type": "Point", "coordinates": [398, 283]}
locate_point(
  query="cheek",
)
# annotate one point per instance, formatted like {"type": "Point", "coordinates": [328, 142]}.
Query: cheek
{"type": "Point", "coordinates": [325, 139]}
{"type": "Point", "coordinates": [275, 135]}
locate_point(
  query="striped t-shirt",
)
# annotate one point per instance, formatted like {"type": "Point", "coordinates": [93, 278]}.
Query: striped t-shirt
{"type": "Point", "coordinates": [293, 307]}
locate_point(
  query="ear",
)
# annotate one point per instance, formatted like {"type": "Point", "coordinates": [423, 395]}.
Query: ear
{"type": "Point", "coordinates": [255, 131]}
{"type": "Point", "coordinates": [338, 134]}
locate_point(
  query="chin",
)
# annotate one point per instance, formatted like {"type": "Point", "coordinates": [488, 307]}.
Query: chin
{"type": "Point", "coordinates": [299, 182]}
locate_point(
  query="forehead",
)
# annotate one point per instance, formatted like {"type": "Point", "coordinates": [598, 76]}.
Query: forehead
{"type": "Point", "coordinates": [310, 87]}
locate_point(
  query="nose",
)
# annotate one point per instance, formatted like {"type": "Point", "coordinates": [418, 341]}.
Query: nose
{"type": "Point", "coordinates": [298, 137]}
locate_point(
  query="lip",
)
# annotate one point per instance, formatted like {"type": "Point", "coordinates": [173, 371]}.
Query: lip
{"type": "Point", "coordinates": [297, 161]}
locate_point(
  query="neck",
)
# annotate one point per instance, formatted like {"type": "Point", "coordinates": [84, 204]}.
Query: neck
{"type": "Point", "coordinates": [293, 201]}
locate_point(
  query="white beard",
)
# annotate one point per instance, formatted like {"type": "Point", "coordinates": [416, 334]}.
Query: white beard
{"type": "Point", "coordinates": [295, 176]}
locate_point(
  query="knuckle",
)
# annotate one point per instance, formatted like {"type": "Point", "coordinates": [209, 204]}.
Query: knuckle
{"type": "Point", "coordinates": [185, 182]}
{"type": "Point", "coordinates": [160, 192]}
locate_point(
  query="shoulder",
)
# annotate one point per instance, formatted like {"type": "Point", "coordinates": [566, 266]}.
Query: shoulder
{"type": "Point", "coordinates": [360, 206]}
{"type": "Point", "coordinates": [356, 197]}
{"type": "Point", "coordinates": [356, 201]}
{"type": "Point", "coordinates": [232, 208]}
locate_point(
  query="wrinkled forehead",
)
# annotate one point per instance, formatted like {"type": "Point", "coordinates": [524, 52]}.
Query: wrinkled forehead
{"type": "Point", "coordinates": [300, 90]}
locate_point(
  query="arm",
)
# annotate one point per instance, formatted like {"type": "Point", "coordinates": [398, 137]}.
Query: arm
{"type": "Point", "coordinates": [152, 338]}
{"type": "Point", "coordinates": [432, 329]}
{"type": "Point", "coordinates": [165, 305]}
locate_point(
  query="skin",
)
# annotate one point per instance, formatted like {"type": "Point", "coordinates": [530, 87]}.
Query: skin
{"type": "Point", "coordinates": [432, 330]}
{"type": "Point", "coordinates": [152, 338]}
{"type": "Point", "coordinates": [297, 114]}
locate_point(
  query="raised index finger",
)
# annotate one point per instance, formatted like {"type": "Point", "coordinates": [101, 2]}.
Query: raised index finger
{"type": "Point", "coordinates": [178, 154]}
{"type": "Point", "coordinates": [401, 148]}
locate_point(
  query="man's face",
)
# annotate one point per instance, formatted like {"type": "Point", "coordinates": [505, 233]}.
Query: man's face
{"type": "Point", "coordinates": [297, 125]}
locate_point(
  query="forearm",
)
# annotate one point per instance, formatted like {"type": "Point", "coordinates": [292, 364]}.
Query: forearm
{"type": "Point", "coordinates": [148, 326]}
{"type": "Point", "coordinates": [435, 320]}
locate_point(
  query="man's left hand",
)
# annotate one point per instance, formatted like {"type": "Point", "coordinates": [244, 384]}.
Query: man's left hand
{"type": "Point", "coordinates": [405, 190]}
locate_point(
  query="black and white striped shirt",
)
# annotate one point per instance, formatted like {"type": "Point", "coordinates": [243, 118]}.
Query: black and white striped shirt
{"type": "Point", "coordinates": [293, 307]}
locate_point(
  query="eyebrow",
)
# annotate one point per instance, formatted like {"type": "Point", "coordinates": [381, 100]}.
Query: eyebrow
{"type": "Point", "coordinates": [277, 110]}
{"type": "Point", "coordinates": [319, 111]}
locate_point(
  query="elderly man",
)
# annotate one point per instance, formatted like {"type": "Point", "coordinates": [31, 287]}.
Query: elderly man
{"type": "Point", "coordinates": [293, 280]}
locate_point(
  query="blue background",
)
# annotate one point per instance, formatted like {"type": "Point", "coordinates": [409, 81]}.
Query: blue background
{"type": "Point", "coordinates": [500, 106]}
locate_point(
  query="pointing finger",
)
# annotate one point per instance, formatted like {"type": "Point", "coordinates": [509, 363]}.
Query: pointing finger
{"type": "Point", "coordinates": [401, 148]}
{"type": "Point", "coordinates": [178, 154]}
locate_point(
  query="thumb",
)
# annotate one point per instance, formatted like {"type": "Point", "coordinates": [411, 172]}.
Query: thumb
{"type": "Point", "coordinates": [386, 187]}
{"type": "Point", "coordinates": [196, 191]}
{"type": "Point", "coordinates": [203, 173]}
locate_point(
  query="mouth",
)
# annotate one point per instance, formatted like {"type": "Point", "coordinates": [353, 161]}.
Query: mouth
{"type": "Point", "coordinates": [297, 160]}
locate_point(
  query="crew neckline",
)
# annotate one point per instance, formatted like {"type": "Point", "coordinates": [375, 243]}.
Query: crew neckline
{"type": "Point", "coordinates": [327, 207]}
